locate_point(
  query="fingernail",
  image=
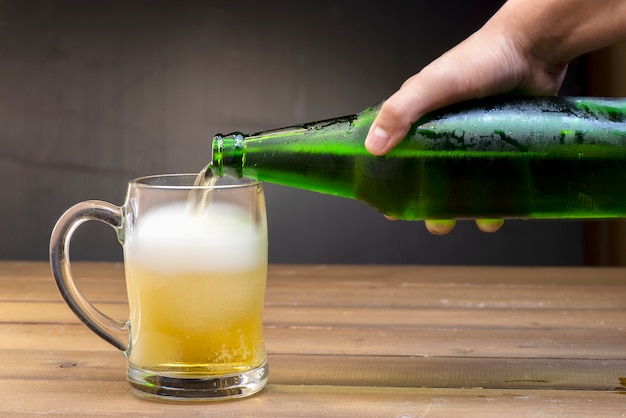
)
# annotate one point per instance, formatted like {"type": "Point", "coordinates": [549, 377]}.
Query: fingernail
{"type": "Point", "coordinates": [377, 139]}
{"type": "Point", "coordinates": [489, 225]}
{"type": "Point", "coordinates": [440, 226]}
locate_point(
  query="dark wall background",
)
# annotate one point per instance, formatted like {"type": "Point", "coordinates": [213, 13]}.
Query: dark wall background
{"type": "Point", "coordinates": [95, 93]}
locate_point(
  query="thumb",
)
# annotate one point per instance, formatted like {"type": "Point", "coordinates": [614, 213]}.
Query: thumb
{"type": "Point", "coordinates": [389, 128]}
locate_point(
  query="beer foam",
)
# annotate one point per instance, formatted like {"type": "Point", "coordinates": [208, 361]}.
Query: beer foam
{"type": "Point", "coordinates": [172, 239]}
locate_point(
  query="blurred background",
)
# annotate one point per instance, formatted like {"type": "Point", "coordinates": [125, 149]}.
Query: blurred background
{"type": "Point", "coordinates": [93, 94]}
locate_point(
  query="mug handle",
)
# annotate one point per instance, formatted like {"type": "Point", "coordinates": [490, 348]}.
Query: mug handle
{"type": "Point", "coordinates": [113, 331]}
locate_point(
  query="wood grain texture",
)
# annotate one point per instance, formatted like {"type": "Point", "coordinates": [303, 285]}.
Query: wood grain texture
{"type": "Point", "coordinates": [354, 341]}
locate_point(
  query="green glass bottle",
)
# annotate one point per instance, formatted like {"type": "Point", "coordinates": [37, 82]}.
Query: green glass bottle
{"type": "Point", "coordinates": [501, 157]}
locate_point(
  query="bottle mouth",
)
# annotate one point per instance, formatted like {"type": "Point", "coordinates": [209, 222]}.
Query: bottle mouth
{"type": "Point", "coordinates": [228, 155]}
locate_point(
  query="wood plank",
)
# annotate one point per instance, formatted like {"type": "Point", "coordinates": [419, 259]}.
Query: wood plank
{"type": "Point", "coordinates": [342, 370]}
{"type": "Point", "coordinates": [68, 364]}
{"type": "Point", "coordinates": [100, 282]}
{"type": "Point", "coordinates": [588, 344]}
{"type": "Point", "coordinates": [50, 336]}
{"type": "Point", "coordinates": [41, 270]}
{"type": "Point", "coordinates": [490, 275]}
{"type": "Point", "coordinates": [371, 274]}
{"type": "Point", "coordinates": [18, 398]}
{"type": "Point", "coordinates": [572, 319]}
{"type": "Point", "coordinates": [474, 288]}
{"type": "Point", "coordinates": [447, 372]}
{"type": "Point", "coordinates": [401, 341]}
{"type": "Point", "coordinates": [481, 318]}
{"type": "Point", "coordinates": [496, 288]}
{"type": "Point", "coordinates": [53, 312]}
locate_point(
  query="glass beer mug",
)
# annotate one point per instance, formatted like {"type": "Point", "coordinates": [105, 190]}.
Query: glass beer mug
{"type": "Point", "coordinates": [195, 259]}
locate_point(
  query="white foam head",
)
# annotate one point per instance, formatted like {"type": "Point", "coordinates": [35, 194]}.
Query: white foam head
{"type": "Point", "coordinates": [169, 239]}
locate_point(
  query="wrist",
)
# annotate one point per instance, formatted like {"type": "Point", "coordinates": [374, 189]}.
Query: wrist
{"type": "Point", "coordinates": [557, 31]}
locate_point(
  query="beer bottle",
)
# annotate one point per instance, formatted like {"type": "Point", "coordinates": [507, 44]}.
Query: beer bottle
{"type": "Point", "coordinates": [500, 157]}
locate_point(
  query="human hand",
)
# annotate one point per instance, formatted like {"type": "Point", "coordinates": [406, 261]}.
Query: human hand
{"type": "Point", "coordinates": [499, 58]}
{"type": "Point", "coordinates": [476, 68]}
{"type": "Point", "coordinates": [524, 48]}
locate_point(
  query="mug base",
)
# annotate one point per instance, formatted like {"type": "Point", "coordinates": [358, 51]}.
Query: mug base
{"type": "Point", "coordinates": [151, 385]}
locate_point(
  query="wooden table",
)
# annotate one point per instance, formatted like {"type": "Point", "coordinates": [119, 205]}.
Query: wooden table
{"type": "Point", "coordinates": [350, 341]}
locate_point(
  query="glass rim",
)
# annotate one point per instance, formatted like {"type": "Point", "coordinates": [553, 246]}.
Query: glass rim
{"type": "Point", "coordinates": [146, 182]}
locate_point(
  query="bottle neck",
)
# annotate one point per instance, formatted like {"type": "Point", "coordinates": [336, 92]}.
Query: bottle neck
{"type": "Point", "coordinates": [228, 155]}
